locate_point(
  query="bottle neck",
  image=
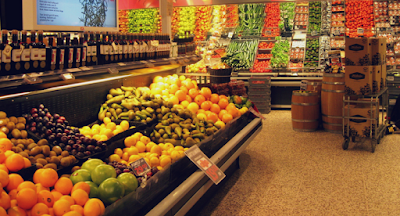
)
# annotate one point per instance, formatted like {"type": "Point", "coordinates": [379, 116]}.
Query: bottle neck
{"type": "Point", "coordinates": [15, 38]}
{"type": "Point", "coordinates": [23, 38]}
{"type": "Point", "coordinates": [40, 38]}
{"type": "Point", "coordinates": [4, 39]}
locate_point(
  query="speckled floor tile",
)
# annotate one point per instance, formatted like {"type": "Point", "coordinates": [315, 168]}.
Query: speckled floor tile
{"type": "Point", "coordinates": [284, 172]}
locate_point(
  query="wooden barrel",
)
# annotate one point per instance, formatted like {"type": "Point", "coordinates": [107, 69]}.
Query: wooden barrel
{"type": "Point", "coordinates": [332, 101]}
{"type": "Point", "coordinates": [305, 111]}
{"type": "Point", "coordinates": [314, 85]}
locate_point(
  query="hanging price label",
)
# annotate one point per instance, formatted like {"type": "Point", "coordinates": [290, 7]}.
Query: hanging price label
{"type": "Point", "coordinates": [67, 76]}
{"type": "Point", "coordinates": [121, 64]}
{"type": "Point", "coordinates": [230, 34]}
{"type": "Point", "coordinates": [390, 78]}
{"type": "Point", "coordinates": [205, 164]}
{"type": "Point", "coordinates": [360, 31]}
{"type": "Point", "coordinates": [140, 167]}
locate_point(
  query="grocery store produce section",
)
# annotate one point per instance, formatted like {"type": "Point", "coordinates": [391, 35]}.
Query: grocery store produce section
{"type": "Point", "coordinates": [52, 163]}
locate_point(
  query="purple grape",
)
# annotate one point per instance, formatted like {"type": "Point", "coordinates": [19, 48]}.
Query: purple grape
{"type": "Point", "coordinates": [29, 119]}
{"type": "Point", "coordinates": [76, 130]}
{"type": "Point", "coordinates": [33, 124]}
{"type": "Point", "coordinates": [39, 124]}
{"type": "Point", "coordinates": [64, 139]}
{"type": "Point", "coordinates": [126, 170]}
{"type": "Point", "coordinates": [86, 140]}
{"type": "Point", "coordinates": [62, 145]}
{"type": "Point", "coordinates": [90, 148]}
{"type": "Point", "coordinates": [80, 154]}
{"type": "Point", "coordinates": [99, 143]}
{"type": "Point", "coordinates": [51, 138]}
{"type": "Point", "coordinates": [87, 153]}
{"type": "Point", "coordinates": [59, 135]}
{"type": "Point", "coordinates": [98, 149]}
{"type": "Point", "coordinates": [38, 119]}
{"type": "Point", "coordinates": [104, 146]}
{"type": "Point", "coordinates": [78, 141]}
{"type": "Point", "coordinates": [49, 132]}
{"type": "Point", "coordinates": [74, 152]}
{"type": "Point", "coordinates": [66, 131]}
{"type": "Point", "coordinates": [68, 148]}
{"type": "Point", "coordinates": [75, 146]}
{"type": "Point", "coordinates": [42, 113]}
{"type": "Point", "coordinates": [81, 148]}
{"type": "Point", "coordinates": [55, 142]}
{"type": "Point", "coordinates": [33, 110]}
{"type": "Point", "coordinates": [118, 172]}
{"type": "Point", "coordinates": [43, 130]}
{"type": "Point", "coordinates": [71, 142]}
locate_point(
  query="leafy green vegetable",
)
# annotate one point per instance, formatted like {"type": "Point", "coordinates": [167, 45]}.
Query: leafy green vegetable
{"type": "Point", "coordinates": [251, 19]}
{"type": "Point", "coordinates": [314, 18]}
{"type": "Point", "coordinates": [287, 13]}
{"type": "Point", "coordinates": [312, 52]}
{"type": "Point", "coordinates": [280, 54]}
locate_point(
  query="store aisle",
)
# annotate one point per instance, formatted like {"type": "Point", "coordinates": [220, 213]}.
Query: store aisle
{"type": "Point", "coordinates": [284, 172]}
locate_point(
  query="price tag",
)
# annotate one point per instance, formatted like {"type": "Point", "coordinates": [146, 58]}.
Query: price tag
{"type": "Point", "coordinates": [112, 70]}
{"type": "Point", "coordinates": [230, 34]}
{"type": "Point", "coordinates": [121, 64]}
{"type": "Point", "coordinates": [149, 65]}
{"type": "Point", "coordinates": [72, 70]}
{"type": "Point", "coordinates": [67, 76]}
{"type": "Point", "coordinates": [336, 32]}
{"type": "Point", "coordinates": [390, 78]}
{"type": "Point", "coordinates": [360, 31]}
{"type": "Point", "coordinates": [152, 61]}
{"type": "Point", "coordinates": [86, 68]}
{"type": "Point", "coordinates": [205, 164]}
{"type": "Point", "coordinates": [32, 80]}
{"type": "Point", "coordinates": [140, 167]}
{"type": "Point", "coordinates": [143, 62]}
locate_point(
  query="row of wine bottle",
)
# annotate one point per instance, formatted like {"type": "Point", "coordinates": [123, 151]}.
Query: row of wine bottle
{"type": "Point", "coordinates": [24, 55]}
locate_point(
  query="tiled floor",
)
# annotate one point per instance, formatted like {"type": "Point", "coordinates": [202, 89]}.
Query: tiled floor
{"type": "Point", "coordinates": [284, 172]}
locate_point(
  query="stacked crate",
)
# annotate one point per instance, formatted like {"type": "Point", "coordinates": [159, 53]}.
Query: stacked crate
{"type": "Point", "coordinates": [260, 93]}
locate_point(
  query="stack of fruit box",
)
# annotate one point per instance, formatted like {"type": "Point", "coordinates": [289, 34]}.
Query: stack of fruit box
{"type": "Point", "coordinates": [260, 93]}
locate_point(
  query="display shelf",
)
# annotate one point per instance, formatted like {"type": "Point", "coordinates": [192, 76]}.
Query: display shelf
{"type": "Point", "coordinates": [183, 198]}
{"type": "Point", "coordinates": [72, 73]}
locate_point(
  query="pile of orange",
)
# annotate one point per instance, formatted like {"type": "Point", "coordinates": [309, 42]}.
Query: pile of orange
{"type": "Point", "coordinates": [138, 146]}
{"type": "Point", "coordinates": [9, 161]}
{"type": "Point", "coordinates": [104, 131]}
{"type": "Point", "coordinates": [19, 197]}
{"type": "Point", "coordinates": [184, 93]}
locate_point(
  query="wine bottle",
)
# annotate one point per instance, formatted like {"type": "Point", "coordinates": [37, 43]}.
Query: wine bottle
{"type": "Point", "coordinates": [60, 58]}
{"type": "Point", "coordinates": [5, 54]}
{"type": "Point", "coordinates": [136, 48]}
{"type": "Point", "coordinates": [102, 46]}
{"type": "Point", "coordinates": [124, 46]}
{"type": "Point", "coordinates": [25, 54]}
{"type": "Point", "coordinates": [95, 48]}
{"type": "Point", "coordinates": [69, 53]}
{"type": "Point", "coordinates": [129, 43]}
{"type": "Point", "coordinates": [42, 51]}
{"type": "Point", "coordinates": [77, 53]}
{"type": "Point", "coordinates": [16, 53]}
{"type": "Point", "coordinates": [83, 44]}
{"type": "Point", "coordinates": [89, 49]}
{"type": "Point", "coordinates": [111, 47]}
{"type": "Point", "coordinates": [121, 42]}
{"type": "Point", "coordinates": [51, 55]}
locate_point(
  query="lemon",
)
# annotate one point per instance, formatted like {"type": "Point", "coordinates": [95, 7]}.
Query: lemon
{"type": "Point", "coordinates": [140, 146]}
{"type": "Point", "coordinates": [106, 120]}
{"type": "Point", "coordinates": [175, 155]}
{"type": "Point", "coordinates": [179, 148]}
{"type": "Point", "coordinates": [133, 158]}
{"type": "Point", "coordinates": [165, 161]}
{"type": "Point", "coordinates": [125, 156]}
{"type": "Point", "coordinates": [114, 157]}
{"type": "Point", "coordinates": [145, 139]}
{"type": "Point", "coordinates": [154, 161]}
{"type": "Point", "coordinates": [132, 151]}
{"type": "Point", "coordinates": [156, 149]}
{"type": "Point", "coordinates": [118, 151]}
{"type": "Point", "coordinates": [149, 146]}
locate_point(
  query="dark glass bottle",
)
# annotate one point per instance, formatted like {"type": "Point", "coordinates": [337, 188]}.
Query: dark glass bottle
{"type": "Point", "coordinates": [77, 53]}
{"type": "Point", "coordinates": [16, 53]}
{"type": "Point", "coordinates": [51, 55]}
{"type": "Point", "coordinates": [101, 45]}
{"type": "Point", "coordinates": [136, 47]}
{"type": "Point", "coordinates": [60, 58]}
{"type": "Point", "coordinates": [25, 54]}
{"type": "Point", "coordinates": [124, 47]}
{"type": "Point", "coordinates": [95, 47]}
{"type": "Point", "coordinates": [34, 53]}
{"type": "Point", "coordinates": [5, 54]}
{"type": "Point", "coordinates": [129, 41]}
{"type": "Point", "coordinates": [83, 43]}
{"type": "Point", "coordinates": [69, 53]}
{"type": "Point", "coordinates": [42, 51]}
{"type": "Point", "coordinates": [89, 54]}
{"type": "Point", "coordinates": [111, 47]}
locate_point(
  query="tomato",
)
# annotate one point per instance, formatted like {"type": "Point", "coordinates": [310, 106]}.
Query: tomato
{"type": "Point", "coordinates": [91, 164]}
{"type": "Point", "coordinates": [94, 190]}
{"type": "Point", "coordinates": [80, 175]}
{"type": "Point", "coordinates": [103, 172]}
{"type": "Point", "coordinates": [111, 190]}
{"type": "Point", "coordinates": [129, 181]}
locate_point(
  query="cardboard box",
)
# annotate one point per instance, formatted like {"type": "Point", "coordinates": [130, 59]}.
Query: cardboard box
{"type": "Point", "coordinates": [378, 51]}
{"type": "Point", "coordinates": [358, 80]}
{"type": "Point", "coordinates": [360, 127]}
{"type": "Point", "coordinates": [383, 76]}
{"type": "Point", "coordinates": [376, 79]}
{"type": "Point", "coordinates": [358, 52]}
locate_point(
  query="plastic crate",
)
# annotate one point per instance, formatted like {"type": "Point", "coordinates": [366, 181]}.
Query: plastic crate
{"type": "Point", "coordinates": [260, 81]}
{"type": "Point", "coordinates": [260, 98]}
{"type": "Point", "coordinates": [263, 105]}
{"type": "Point", "coordinates": [259, 91]}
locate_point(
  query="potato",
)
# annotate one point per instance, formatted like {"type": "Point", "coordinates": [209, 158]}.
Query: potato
{"type": "Point", "coordinates": [3, 115]}
{"type": "Point", "coordinates": [66, 162]}
{"type": "Point", "coordinates": [65, 154]}
{"type": "Point", "coordinates": [11, 126]}
{"type": "Point", "coordinates": [57, 149]}
{"type": "Point", "coordinates": [39, 165]}
{"type": "Point", "coordinates": [21, 120]}
{"type": "Point", "coordinates": [55, 160]}
{"type": "Point", "coordinates": [39, 156]}
{"type": "Point", "coordinates": [75, 168]}
{"type": "Point", "coordinates": [20, 126]}
{"type": "Point", "coordinates": [24, 154]}
{"type": "Point", "coordinates": [24, 134]}
{"type": "Point", "coordinates": [42, 142]}
{"type": "Point", "coordinates": [4, 129]}
{"type": "Point", "coordinates": [30, 141]}
{"type": "Point", "coordinates": [35, 151]}
{"type": "Point", "coordinates": [46, 150]}
{"type": "Point", "coordinates": [42, 161]}
{"type": "Point", "coordinates": [13, 119]}
{"type": "Point", "coordinates": [51, 165]}
{"type": "Point", "coordinates": [31, 146]}
{"type": "Point", "coordinates": [52, 153]}
{"type": "Point", "coordinates": [3, 122]}
{"type": "Point", "coordinates": [16, 149]}
{"type": "Point", "coordinates": [21, 146]}
{"type": "Point", "coordinates": [16, 133]}
{"type": "Point", "coordinates": [60, 157]}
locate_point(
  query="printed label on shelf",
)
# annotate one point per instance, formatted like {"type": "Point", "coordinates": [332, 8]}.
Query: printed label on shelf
{"type": "Point", "coordinates": [205, 164]}
{"type": "Point", "coordinates": [67, 76]}
{"type": "Point", "coordinates": [73, 70]}
{"type": "Point", "coordinates": [86, 68]}
{"type": "Point", "coordinates": [140, 167]}
{"type": "Point", "coordinates": [112, 70]}
{"type": "Point", "coordinates": [390, 78]}
{"type": "Point", "coordinates": [230, 34]}
{"type": "Point", "coordinates": [121, 64]}
{"type": "Point", "coordinates": [360, 31]}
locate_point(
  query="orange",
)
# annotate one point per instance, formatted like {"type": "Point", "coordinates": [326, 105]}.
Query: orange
{"type": "Point", "coordinates": [174, 100]}
{"type": "Point", "coordinates": [2, 156]}
{"type": "Point", "coordinates": [5, 144]}
{"type": "Point", "coordinates": [4, 179]}
{"type": "Point", "coordinates": [3, 135]}
{"type": "Point", "coordinates": [181, 95]}
{"type": "Point", "coordinates": [212, 116]}
{"type": "Point", "coordinates": [27, 198]}
{"type": "Point", "coordinates": [5, 200]}
{"type": "Point", "coordinates": [51, 211]}
{"type": "Point", "coordinates": [230, 106]}
{"type": "Point", "coordinates": [158, 79]}
{"type": "Point", "coordinates": [182, 77]}
{"type": "Point", "coordinates": [8, 153]}
{"type": "Point", "coordinates": [39, 187]}
{"type": "Point", "coordinates": [48, 177]}
{"type": "Point", "coordinates": [193, 92]}
{"type": "Point", "coordinates": [81, 185]}
{"type": "Point", "coordinates": [15, 162]}
{"type": "Point", "coordinates": [233, 112]}
{"type": "Point", "coordinates": [227, 118]}
{"type": "Point", "coordinates": [16, 211]}
{"type": "Point", "coordinates": [77, 208]}
{"type": "Point", "coordinates": [206, 105]}
{"type": "Point", "coordinates": [73, 213]}
{"type": "Point", "coordinates": [3, 167]}
{"type": "Point", "coordinates": [14, 181]}
{"type": "Point", "coordinates": [57, 195]}
{"type": "Point", "coordinates": [223, 96]}
{"type": "Point", "coordinates": [46, 197]}
{"type": "Point", "coordinates": [215, 108]}
{"type": "Point", "coordinates": [64, 185]}
{"type": "Point", "coordinates": [101, 204]}
{"type": "Point", "coordinates": [61, 207]}
{"type": "Point", "coordinates": [39, 209]}
{"type": "Point", "coordinates": [13, 202]}
{"type": "Point", "coordinates": [26, 184]}
{"type": "Point", "coordinates": [130, 141]}
{"type": "Point", "coordinates": [93, 208]}
{"type": "Point", "coordinates": [222, 113]}
{"type": "Point", "coordinates": [80, 197]}
{"type": "Point", "coordinates": [68, 198]}
{"type": "Point", "coordinates": [223, 102]}
{"type": "Point", "coordinates": [201, 111]}
{"type": "Point", "coordinates": [173, 88]}
{"type": "Point", "coordinates": [13, 194]}
{"type": "Point", "coordinates": [199, 99]}
{"type": "Point", "coordinates": [183, 88]}
{"type": "Point", "coordinates": [3, 212]}
{"type": "Point", "coordinates": [189, 85]}
{"type": "Point", "coordinates": [214, 98]}
{"type": "Point", "coordinates": [193, 107]}
{"type": "Point", "coordinates": [206, 92]}
{"type": "Point", "coordinates": [189, 99]}
{"type": "Point", "coordinates": [185, 103]}
{"type": "Point", "coordinates": [27, 163]}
